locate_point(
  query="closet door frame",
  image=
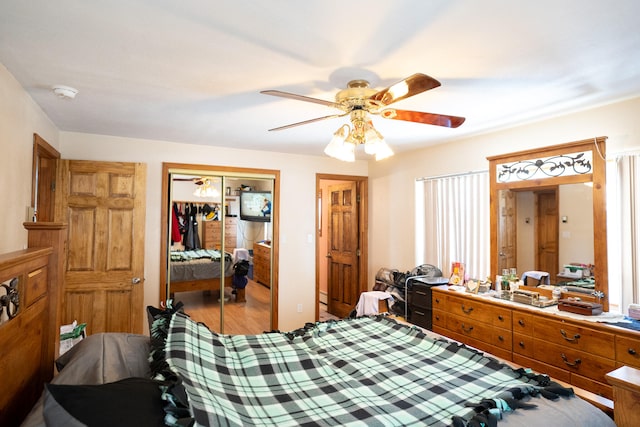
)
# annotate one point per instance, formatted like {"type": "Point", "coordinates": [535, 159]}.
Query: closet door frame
{"type": "Point", "coordinates": [230, 172]}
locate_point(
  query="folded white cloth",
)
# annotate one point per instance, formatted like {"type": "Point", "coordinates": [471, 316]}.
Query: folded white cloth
{"type": "Point", "coordinates": [240, 253]}
{"type": "Point", "coordinates": [537, 275]}
{"type": "Point", "coordinates": [368, 302]}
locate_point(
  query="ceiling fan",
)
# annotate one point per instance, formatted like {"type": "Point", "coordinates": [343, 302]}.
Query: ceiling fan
{"type": "Point", "coordinates": [197, 180]}
{"type": "Point", "coordinates": [358, 100]}
{"type": "Point", "coordinates": [359, 97]}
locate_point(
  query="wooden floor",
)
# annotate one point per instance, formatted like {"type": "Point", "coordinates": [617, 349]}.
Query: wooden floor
{"type": "Point", "coordinates": [325, 315]}
{"type": "Point", "coordinates": [250, 317]}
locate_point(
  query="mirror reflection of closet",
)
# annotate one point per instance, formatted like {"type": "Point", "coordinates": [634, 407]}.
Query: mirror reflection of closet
{"type": "Point", "coordinates": [210, 213]}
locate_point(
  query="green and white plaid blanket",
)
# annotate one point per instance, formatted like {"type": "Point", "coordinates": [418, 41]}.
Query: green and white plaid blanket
{"type": "Point", "coordinates": [210, 254]}
{"type": "Point", "coordinates": [368, 371]}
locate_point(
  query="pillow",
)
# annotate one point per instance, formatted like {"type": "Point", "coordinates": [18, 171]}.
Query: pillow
{"type": "Point", "coordinates": [129, 402]}
{"type": "Point", "coordinates": [104, 358]}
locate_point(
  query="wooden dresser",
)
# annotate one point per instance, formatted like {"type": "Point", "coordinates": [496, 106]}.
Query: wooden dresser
{"type": "Point", "coordinates": [212, 234]}
{"type": "Point", "coordinates": [262, 263]}
{"type": "Point", "coordinates": [579, 352]}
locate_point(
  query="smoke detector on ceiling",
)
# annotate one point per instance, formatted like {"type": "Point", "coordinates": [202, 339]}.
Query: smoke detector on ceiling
{"type": "Point", "coordinates": [64, 92]}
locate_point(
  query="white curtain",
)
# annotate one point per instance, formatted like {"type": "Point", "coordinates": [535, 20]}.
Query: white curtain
{"type": "Point", "coordinates": [623, 230]}
{"type": "Point", "coordinates": [453, 222]}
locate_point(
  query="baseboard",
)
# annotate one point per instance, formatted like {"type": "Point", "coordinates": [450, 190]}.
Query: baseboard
{"type": "Point", "coordinates": [323, 297]}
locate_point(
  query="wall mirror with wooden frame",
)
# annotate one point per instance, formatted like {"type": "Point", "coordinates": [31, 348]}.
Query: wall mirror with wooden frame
{"type": "Point", "coordinates": [548, 211]}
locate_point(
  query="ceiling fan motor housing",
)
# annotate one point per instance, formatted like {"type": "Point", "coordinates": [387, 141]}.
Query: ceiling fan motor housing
{"type": "Point", "coordinates": [355, 95]}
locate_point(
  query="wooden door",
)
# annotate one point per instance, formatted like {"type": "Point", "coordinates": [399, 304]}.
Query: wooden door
{"type": "Point", "coordinates": [507, 230]}
{"type": "Point", "coordinates": [547, 233]}
{"type": "Point", "coordinates": [343, 288]}
{"type": "Point", "coordinates": [103, 204]}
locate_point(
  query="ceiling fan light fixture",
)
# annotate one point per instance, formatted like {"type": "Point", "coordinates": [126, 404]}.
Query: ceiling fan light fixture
{"type": "Point", "coordinates": [204, 189]}
{"type": "Point", "coordinates": [383, 150]}
{"type": "Point", "coordinates": [372, 139]}
{"type": "Point", "coordinates": [339, 148]}
{"type": "Point", "coordinates": [345, 140]}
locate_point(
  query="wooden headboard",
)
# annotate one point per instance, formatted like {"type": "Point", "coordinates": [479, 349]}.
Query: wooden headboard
{"type": "Point", "coordinates": [29, 338]}
{"type": "Point", "coordinates": [26, 350]}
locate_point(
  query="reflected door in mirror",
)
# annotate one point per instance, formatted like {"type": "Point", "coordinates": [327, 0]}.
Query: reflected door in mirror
{"type": "Point", "coordinates": [507, 230]}
{"type": "Point", "coordinates": [547, 233]}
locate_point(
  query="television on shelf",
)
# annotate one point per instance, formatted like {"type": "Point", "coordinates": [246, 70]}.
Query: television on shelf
{"type": "Point", "coordinates": [255, 206]}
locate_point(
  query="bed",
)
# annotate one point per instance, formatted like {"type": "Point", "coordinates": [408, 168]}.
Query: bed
{"type": "Point", "coordinates": [368, 371]}
{"type": "Point", "coordinates": [199, 270]}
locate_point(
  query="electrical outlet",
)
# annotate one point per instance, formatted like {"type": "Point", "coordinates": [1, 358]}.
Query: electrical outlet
{"type": "Point", "coordinates": [299, 308]}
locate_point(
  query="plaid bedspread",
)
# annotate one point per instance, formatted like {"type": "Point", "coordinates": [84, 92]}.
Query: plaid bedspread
{"type": "Point", "coordinates": [365, 371]}
{"type": "Point", "coordinates": [203, 254]}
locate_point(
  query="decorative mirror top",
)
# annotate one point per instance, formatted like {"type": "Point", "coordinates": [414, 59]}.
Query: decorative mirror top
{"type": "Point", "coordinates": [548, 167]}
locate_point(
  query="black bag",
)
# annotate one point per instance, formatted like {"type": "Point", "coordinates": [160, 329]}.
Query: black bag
{"type": "Point", "coordinates": [241, 268]}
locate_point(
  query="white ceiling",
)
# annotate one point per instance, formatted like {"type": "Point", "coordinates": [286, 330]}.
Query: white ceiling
{"type": "Point", "coordinates": [191, 70]}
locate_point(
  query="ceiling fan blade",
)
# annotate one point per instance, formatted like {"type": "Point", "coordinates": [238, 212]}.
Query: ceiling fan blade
{"type": "Point", "coordinates": [410, 86]}
{"type": "Point", "coordinates": [426, 118]}
{"type": "Point", "coordinates": [318, 119]}
{"type": "Point", "coordinates": [301, 98]}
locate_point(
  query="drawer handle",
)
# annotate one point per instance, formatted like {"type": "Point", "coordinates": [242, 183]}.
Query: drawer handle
{"type": "Point", "coordinates": [500, 338]}
{"type": "Point", "coordinates": [631, 352]}
{"type": "Point", "coordinates": [566, 362]}
{"type": "Point", "coordinates": [437, 317]}
{"type": "Point", "coordinates": [419, 312]}
{"type": "Point", "coordinates": [521, 322]}
{"type": "Point", "coordinates": [466, 310]}
{"type": "Point", "coordinates": [521, 344]}
{"type": "Point", "coordinates": [421, 293]}
{"type": "Point", "coordinates": [437, 300]}
{"type": "Point", "coordinates": [500, 318]}
{"type": "Point", "coordinates": [575, 338]}
{"type": "Point", "coordinates": [469, 329]}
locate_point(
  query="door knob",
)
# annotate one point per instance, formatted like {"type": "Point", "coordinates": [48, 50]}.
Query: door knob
{"type": "Point", "coordinates": [329, 255]}
{"type": "Point", "coordinates": [135, 280]}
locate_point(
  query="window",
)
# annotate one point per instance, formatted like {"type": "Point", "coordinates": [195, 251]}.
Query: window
{"type": "Point", "coordinates": [452, 222]}
{"type": "Point", "coordinates": [623, 209]}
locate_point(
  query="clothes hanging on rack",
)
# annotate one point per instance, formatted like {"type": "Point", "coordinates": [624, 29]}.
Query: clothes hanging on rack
{"type": "Point", "coordinates": [176, 235]}
{"type": "Point", "coordinates": [191, 239]}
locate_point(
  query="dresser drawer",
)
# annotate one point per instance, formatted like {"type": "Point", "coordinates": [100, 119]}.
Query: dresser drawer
{"type": "Point", "coordinates": [438, 300]}
{"type": "Point", "coordinates": [576, 337]}
{"type": "Point", "coordinates": [593, 386]}
{"type": "Point", "coordinates": [628, 351]}
{"type": "Point", "coordinates": [480, 331]}
{"type": "Point", "coordinates": [480, 311]}
{"type": "Point", "coordinates": [421, 296]}
{"type": "Point", "coordinates": [439, 318]}
{"type": "Point", "coordinates": [523, 323]}
{"type": "Point", "coordinates": [574, 361]}
{"type": "Point", "coordinates": [523, 344]}
{"type": "Point", "coordinates": [421, 317]}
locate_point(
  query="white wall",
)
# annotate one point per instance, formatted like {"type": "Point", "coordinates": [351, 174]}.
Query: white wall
{"type": "Point", "coordinates": [391, 182]}
{"type": "Point", "coordinates": [20, 118]}
{"type": "Point", "coordinates": [297, 205]}
{"type": "Point", "coordinates": [576, 235]}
